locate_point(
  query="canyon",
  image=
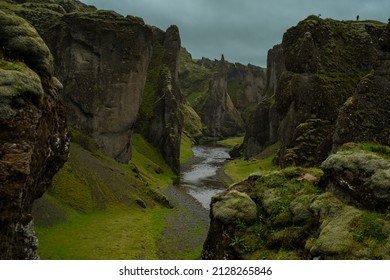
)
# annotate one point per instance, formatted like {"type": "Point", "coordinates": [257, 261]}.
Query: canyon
{"type": "Point", "coordinates": [99, 112]}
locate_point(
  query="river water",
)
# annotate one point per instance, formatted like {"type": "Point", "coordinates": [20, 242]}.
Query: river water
{"type": "Point", "coordinates": [202, 176]}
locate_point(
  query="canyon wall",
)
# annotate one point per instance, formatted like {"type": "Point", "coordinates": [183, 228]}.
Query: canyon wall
{"type": "Point", "coordinates": [317, 69]}
{"type": "Point", "coordinates": [34, 140]}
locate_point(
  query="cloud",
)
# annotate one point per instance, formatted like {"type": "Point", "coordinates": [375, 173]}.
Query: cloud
{"type": "Point", "coordinates": [243, 30]}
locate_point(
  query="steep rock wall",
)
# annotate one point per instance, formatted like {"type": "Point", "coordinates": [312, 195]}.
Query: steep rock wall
{"type": "Point", "coordinates": [102, 59]}
{"type": "Point", "coordinates": [161, 118]}
{"type": "Point", "coordinates": [33, 135]}
{"type": "Point", "coordinates": [219, 114]}
{"type": "Point", "coordinates": [263, 124]}
{"type": "Point", "coordinates": [203, 79]}
{"type": "Point", "coordinates": [324, 61]}
{"type": "Point", "coordinates": [365, 117]}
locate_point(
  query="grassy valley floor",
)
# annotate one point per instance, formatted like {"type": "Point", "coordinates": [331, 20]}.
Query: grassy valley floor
{"type": "Point", "coordinates": [100, 209]}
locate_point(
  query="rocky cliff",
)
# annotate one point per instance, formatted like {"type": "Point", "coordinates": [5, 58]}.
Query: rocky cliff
{"type": "Point", "coordinates": [218, 113]}
{"type": "Point", "coordinates": [161, 119]}
{"type": "Point", "coordinates": [33, 135]}
{"type": "Point", "coordinates": [102, 59]}
{"type": "Point", "coordinates": [222, 93]}
{"type": "Point", "coordinates": [328, 86]}
{"type": "Point", "coordinates": [323, 63]}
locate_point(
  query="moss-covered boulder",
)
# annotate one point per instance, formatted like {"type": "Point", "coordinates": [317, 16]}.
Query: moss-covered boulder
{"type": "Point", "coordinates": [359, 176]}
{"type": "Point", "coordinates": [296, 219]}
{"type": "Point", "coordinates": [234, 206]}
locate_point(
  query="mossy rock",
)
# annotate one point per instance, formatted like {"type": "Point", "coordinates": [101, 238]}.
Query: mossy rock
{"type": "Point", "coordinates": [335, 239]}
{"type": "Point", "coordinates": [360, 177]}
{"type": "Point", "coordinates": [232, 206]}
{"type": "Point", "coordinates": [22, 42]}
{"type": "Point", "coordinates": [18, 84]}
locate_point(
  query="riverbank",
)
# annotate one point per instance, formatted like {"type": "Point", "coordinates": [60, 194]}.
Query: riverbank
{"type": "Point", "coordinates": [188, 223]}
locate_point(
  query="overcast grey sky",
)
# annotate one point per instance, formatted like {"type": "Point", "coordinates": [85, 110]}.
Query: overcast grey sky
{"type": "Point", "coordinates": [243, 30]}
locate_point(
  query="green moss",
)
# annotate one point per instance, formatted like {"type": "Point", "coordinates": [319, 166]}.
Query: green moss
{"type": "Point", "coordinates": [192, 124]}
{"type": "Point", "coordinates": [150, 163]}
{"type": "Point", "coordinates": [100, 198]}
{"type": "Point", "coordinates": [232, 142]}
{"type": "Point", "coordinates": [240, 169]}
{"type": "Point", "coordinates": [194, 79]}
{"type": "Point", "coordinates": [151, 86]}
{"type": "Point", "coordinates": [368, 227]}
{"type": "Point", "coordinates": [380, 150]}
{"type": "Point", "coordinates": [73, 189]}
{"type": "Point", "coordinates": [185, 148]}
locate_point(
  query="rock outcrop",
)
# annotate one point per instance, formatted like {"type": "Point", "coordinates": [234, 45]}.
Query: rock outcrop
{"type": "Point", "coordinates": [222, 93]}
{"type": "Point", "coordinates": [102, 59]}
{"type": "Point", "coordinates": [298, 218]}
{"type": "Point", "coordinates": [324, 61]}
{"type": "Point", "coordinates": [219, 114]}
{"type": "Point", "coordinates": [359, 177]}
{"type": "Point", "coordinates": [366, 116]}
{"type": "Point", "coordinates": [107, 62]}
{"type": "Point", "coordinates": [33, 135]}
{"type": "Point", "coordinates": [161, 119]}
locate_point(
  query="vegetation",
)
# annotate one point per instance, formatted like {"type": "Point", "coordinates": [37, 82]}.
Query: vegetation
{"type": "Point", "coordinates": [119, 205]}
{"type": "Point", "coordinates": [240, 169]}
{"type": "Point", "coordinates": [232, 142]}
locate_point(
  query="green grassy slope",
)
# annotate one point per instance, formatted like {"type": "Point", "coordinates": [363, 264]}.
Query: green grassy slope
{"type": "Point", "coordinates": [100, 209]}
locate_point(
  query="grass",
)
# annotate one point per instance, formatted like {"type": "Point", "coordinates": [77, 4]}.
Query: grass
{"type": "Point", "coordinates": [239, 169]}
{"type": "Point", "coordinates": [100, 199]}
{"type": "Point", "coordinates": [232, 142]}
{"type": "Point", "coordinates": [381, 150]}
{"type": "Point", "coordinates": [185, 148]}
{"type": "Point", "coordinates": [114, 234]}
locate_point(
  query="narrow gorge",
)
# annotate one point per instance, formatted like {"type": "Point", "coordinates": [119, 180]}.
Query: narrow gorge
{"type": "Point", "coordinates": [112, 132]}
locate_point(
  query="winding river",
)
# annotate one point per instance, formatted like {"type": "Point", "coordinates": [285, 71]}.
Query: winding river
{"type": "Point", "coordinates": [187, 224]}
{"type": "Point", "coordinates": [202, 176]}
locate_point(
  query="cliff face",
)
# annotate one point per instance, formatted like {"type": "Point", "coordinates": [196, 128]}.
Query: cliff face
{"type": "Point", "coordinates": [160, 117]}
{"type": "Point", "coordinates": [222, 93]}
{"type": "Point", "coordinates": [166, 124]}
{"type": "Point", "coordinates": [107, 62]}
{"type": "Point", "coordinates": [33, 136]}
{"type": "Point", "coordinates": [262, 126]}
{"type": "Point", "coordinates": [324, 60]}
{"type": "Point", "coordinates": [365, 116]}
{"type": "Point", "coordinates": [102, 59]}
{"type": "Point", "coordinates": [219, 114]}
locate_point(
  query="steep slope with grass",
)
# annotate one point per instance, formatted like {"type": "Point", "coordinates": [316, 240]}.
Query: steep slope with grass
{"type": "Point", "coordinates": [96, 198]}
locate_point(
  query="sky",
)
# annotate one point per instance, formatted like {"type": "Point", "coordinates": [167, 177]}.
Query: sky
{"type": "Point", "coordinates": [242, 30]}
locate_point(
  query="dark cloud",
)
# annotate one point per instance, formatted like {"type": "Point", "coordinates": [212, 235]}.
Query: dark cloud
{"type": "Point", "coordinates": [243, 30]}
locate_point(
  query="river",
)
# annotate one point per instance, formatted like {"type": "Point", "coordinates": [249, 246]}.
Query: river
{"type": "Point", "coordinates": [187, 224]}
{"type": "Point", "coordinates": [201, 177]}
